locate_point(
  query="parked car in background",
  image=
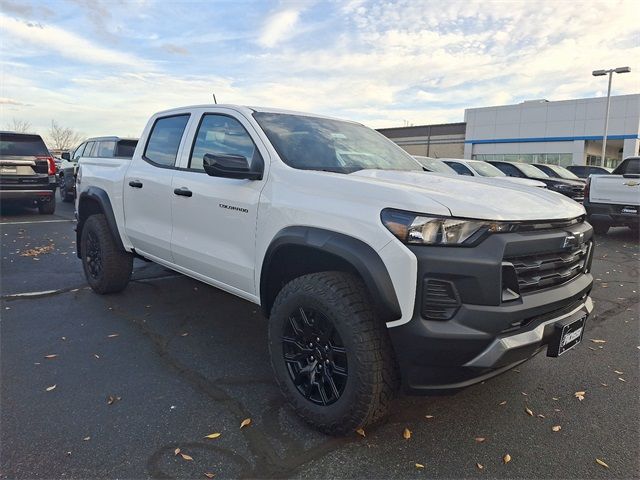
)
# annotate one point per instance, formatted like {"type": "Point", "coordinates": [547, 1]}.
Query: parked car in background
{"type": "Point", "coordinates": [557, 171]}
{"type": "Point", "coordinates": [98, 147]}
{"type": "Point", "coordinates": [373, 274]}
{"type": "Point", "coordinates": [571, 188]}
{"type": "Point", "coordinates": [478, 168]}
{"type": "Point", "coordinates": [27, 171]}
{"type": "Point", "coordinates": [614, 199]}
{"type": "Point", "coordinates": [583, 171]}
{"type": "Point", "coordinates": [434, 165]}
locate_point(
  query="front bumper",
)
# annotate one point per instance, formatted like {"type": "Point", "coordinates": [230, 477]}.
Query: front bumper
{"type": "Point", "coordinates": [487, 333]}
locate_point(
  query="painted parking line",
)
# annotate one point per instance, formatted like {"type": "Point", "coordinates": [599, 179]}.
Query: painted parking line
{"type": "Point", "coordinates": [36, 221]}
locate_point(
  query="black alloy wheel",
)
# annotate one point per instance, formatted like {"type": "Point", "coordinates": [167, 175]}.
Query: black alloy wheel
{"type": "Point", "coordinates": [315, 356]}
{"type": "Point", "coordinates": [93, 255]}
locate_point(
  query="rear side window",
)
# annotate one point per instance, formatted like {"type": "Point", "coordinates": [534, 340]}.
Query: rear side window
{"type": "Point", "coordinates": [16, 144]}
{"type": "Point", "coordinates": [125, 148]}
{"type": "Point", "coordinates": [164, 140]}
{"type": "Point", "coordinates": [106, 148]}
{"type": "Point", "coordinates": [630, 166]}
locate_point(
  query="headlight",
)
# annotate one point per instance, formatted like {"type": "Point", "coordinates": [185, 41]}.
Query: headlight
{"type": "Point", "coordinates": [562, 186]}
{"type": "Point", "coordinates": [418, 229]}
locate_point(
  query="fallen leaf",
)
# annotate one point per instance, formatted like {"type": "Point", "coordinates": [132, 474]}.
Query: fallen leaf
{"type": "Point", "coordinates": [54, 355]}
{"type": "Point", "coordinates": [428, 417]}
{"type": "Point", "coordinates": [419, 465]}
{"type": "Point", "coordinates": [86, 439]}
{"type": "Point", "coordinates": [622, 379]}
{"type": "Point", "coordinates": [245, 422]}
{"type": "Point", "coordinates": [186, 457]}
{"type": "Point", "coordinates": [480, 439]}
{"type": "Point", "coordinates": [556, 428]}
{"type": "Point", "coordinates": [600, 462]}
{"type": "Point", "coordinates": [615, 371]}
{"type": "Point", "coordinates": [113, 399]}
{"type": "Point", "coordinates": [529, 412]}
{"type": "Point", "coordinates": [48, 389]}
{"type": "Point", "coordinates": [176, 451]}
{"type": "Point", "coordinates": [541, 415]}
{"type": "Point", "coordinates": [213, 435]}
{"type": "Point", "coordinates": [579, 395]}
{"type": "Point", "coordinates": [360, 431]}
{"type": "Point", "coordinates": [63, 338]}
{"type": "Point", "coordinates": [596, 340]}
{"type": "Point", "coordinates": [525, 394]}
{"type": "Point", "coordinates": [96, 355]}
{"type": "Point", "coordinates": [184, 334]}
{"type": "Point", "coordinates": [604, 384]}
{"type": "Point", "coordinates": [506, 459]}
{"type": "Point", "coordinates": [554, 398]}
{"type": "Point", "coordinates": [503, 403]}
{"type": "Point", "coordinates": [479, 466]}
{"type": "Point", "coordinates": [406, 434]}
{"type": "Point", "coordinates": [209, 475]}
{"type": "Point", "coordinates": [113, 335]}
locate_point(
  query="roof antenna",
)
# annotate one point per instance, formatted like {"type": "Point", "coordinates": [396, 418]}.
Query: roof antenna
{"type": "Point", "coordinates": [214, 98]}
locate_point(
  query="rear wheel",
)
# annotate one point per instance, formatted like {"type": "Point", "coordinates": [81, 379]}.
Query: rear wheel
{"type": "Point", "coordinates": [601, 228]}
{"type": "Point", "coordinates": [331, 356]}
{"type": "Point", "coordinates": [64, 194]}
{"type": "Point", "coordinates": [47, 208]}
{"type": "Point", "coordinates": [106, 267]}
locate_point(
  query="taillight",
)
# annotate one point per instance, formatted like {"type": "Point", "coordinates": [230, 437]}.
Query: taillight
{"type": "Point", "coordinates": [586, 188]}
{"type": "Point", "coordinates": [51, 162]}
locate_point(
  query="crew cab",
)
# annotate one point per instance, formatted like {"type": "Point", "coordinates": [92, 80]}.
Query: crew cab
{"type": "Point", "coordinates": [478, 168]}
{"type": "Point", "coordinates": [374, 275]}
{"type": "Point", "coordinates": [96, 147]}
{"type": "Point", "coordinates": [27, 171]}
{"type": "Point", "coordinates": [614, 200]}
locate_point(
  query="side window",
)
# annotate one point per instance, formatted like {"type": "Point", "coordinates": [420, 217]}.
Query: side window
{"type": "Point", "coordinates": [78, 153]}
{"type": "Point", "coordinates": [164, 140]}
{"type": "Point", "coordinates": [106, 148]}
{"type": "Point", "coordinates": [460, 169]}
{"type": "Point", "coordinates": [509, 170]}
{"type": "Point", "coordinates": [219, 134]}
{"type": "Point", "coordinates": [89, 151]}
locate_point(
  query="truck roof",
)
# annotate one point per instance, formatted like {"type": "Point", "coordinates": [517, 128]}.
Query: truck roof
{"type": "Point", "coordinates": [247, 110]}
{"type": "Point", "coordinates": [111, 137]}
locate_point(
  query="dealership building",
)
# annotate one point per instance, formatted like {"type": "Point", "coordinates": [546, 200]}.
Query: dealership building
{"type": "Point", "coordinates": [561, 133]}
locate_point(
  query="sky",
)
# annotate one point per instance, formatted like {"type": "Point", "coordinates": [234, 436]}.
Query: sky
{"type": "Point", "coordinates": [103, 67]}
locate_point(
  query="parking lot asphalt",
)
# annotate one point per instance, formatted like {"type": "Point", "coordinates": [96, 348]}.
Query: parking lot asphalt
{"type": "Point", "coordinates": [110, 386]}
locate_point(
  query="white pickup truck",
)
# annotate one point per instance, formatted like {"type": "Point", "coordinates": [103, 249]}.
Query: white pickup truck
{"type": "Point", "coordinates": [373, 273]}
{"type": "Point", "coordinates": [614, 200]}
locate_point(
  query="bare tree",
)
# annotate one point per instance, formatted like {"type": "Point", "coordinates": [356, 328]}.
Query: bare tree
{"type": "Point", "coordinates": [19, 126]}
{"type": "Point", "coordinates": [63, 138]}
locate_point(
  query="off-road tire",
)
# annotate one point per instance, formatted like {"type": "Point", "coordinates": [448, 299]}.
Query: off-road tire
{"type": "Point", "coordinates": [116, 264]}
{"type": "Point", "coordinates": [47, 208]}
{"type": "Point", "coordinates": [600, 228]}
{"type": "Point", "coordinates": [372, 380]}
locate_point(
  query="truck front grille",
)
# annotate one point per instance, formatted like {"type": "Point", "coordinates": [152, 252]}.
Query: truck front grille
{"type": "Point", "coordinates": [544, 270]}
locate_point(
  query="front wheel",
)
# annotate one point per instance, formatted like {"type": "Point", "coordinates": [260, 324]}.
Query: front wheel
{"type": "Point", "coordinates": [331, 355]}
{"type": "Point", "coordinates": [106, 267]}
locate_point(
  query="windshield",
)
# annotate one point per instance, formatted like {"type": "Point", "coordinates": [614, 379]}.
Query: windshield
{"type": "Point", "coordinates": [531, 171]}
{"type": "Point", "coordinates": [312, 143]}
{"type": "Point", "coordinates": [486, 169]}
{"type": "Point", "coordinates": [562, 172]}
{"type": "Point", "coordinates": [435, 165]}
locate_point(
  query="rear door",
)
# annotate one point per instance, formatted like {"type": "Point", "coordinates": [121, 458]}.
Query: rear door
{"type": "Point", "coordinates": [147, 188]}
{"type": "Point", "coordinates": [24, 162]}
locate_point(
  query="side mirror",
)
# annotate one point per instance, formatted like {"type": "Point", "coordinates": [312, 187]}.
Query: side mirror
{"type": "Point", "coordinates": [229, 166]}
{"type": "Point", "coordinates": [66, 156]}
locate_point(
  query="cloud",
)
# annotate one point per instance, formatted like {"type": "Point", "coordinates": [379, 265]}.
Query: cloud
{"type": "Point", "coordinates": [175, 49]}
{"type": "Point", "coordinates": [9, 101]}
{"type": "Point", "coordinates": [23, 10]}
{"type": "Point", "coordinates": [279, 27]}
{"type": "Point", "coordinates": [50, 38]}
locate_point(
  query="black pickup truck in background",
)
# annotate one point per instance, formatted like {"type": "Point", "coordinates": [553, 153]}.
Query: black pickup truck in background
{"type": "Point", "coordinates": [27, 171]}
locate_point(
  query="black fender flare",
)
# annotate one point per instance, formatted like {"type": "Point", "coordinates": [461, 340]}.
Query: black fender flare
{"type": "Point", "coordinates": [101, 197]}
{"type": "Point", "coordinates": [362, 257]}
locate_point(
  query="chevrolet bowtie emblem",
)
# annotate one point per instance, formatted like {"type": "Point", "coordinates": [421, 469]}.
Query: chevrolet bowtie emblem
{"type": "Point", "coordinates": [631, 183]}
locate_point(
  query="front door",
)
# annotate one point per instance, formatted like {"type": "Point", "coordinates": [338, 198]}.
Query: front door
{"type": "Point", "coordinates": [214, 219]}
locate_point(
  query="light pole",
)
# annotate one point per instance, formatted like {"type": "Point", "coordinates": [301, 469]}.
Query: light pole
{"type": "Point", "coordinates": [602, 73]}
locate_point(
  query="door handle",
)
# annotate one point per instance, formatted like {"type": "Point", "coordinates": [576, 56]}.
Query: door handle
{"type": "Point", "coordinates": [185, 192]}
{"type": "Point", "coordinates": [135, 184]}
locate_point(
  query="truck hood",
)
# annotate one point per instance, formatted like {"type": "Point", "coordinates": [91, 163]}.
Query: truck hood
{"type": "Point", "coordinates": [481, 198]}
